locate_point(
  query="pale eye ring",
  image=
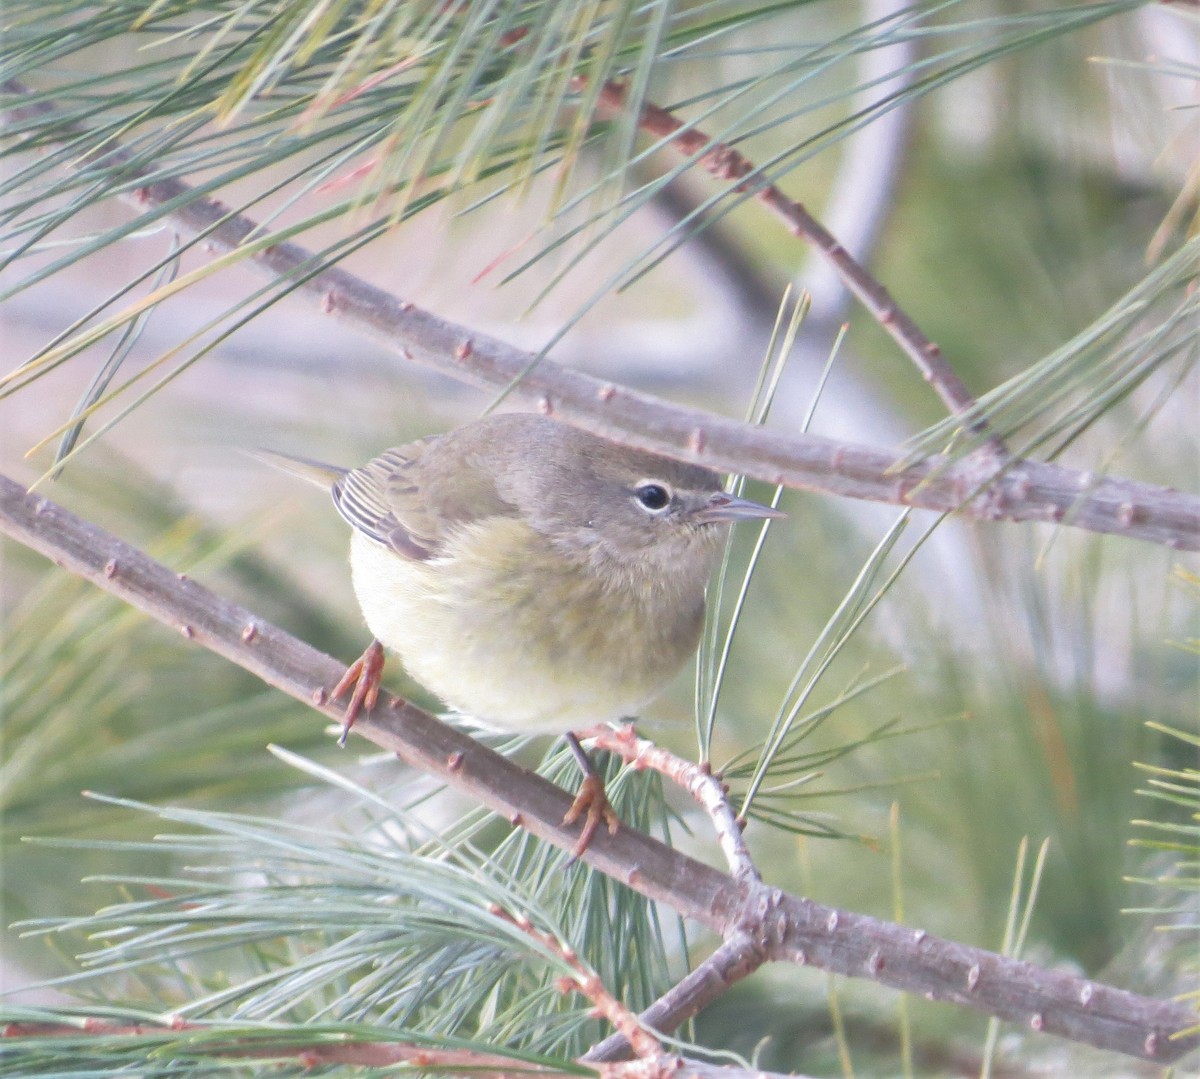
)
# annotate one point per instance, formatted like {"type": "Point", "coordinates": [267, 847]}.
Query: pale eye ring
{"type": "Point", "coordinates": [652, 497]}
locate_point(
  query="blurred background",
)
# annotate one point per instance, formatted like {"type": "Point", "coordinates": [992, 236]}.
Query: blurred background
{"type": "Point", "coordinates": [1006, 211]}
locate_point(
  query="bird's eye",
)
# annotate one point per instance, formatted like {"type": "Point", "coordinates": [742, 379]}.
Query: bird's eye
{"type": "Point", "coordinates": [653, 496]}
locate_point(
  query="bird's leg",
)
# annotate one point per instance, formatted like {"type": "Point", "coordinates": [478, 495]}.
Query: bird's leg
{"type": "Point", "coordinates": [591, 802]}
{"type": "Point", "coordinates": [364, 674]}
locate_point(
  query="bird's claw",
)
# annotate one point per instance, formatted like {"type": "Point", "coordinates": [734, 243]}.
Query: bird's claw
{"type": "Point", "coordinates": [365, 675]}
{"type": "Point", "coordinates": [593, 805]}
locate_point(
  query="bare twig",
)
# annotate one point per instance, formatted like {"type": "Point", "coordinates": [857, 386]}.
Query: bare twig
{"type": "Point", "coordinates": [786, 928]}
{"type": "Point", "coordinates": [737, 958]}
{"type": "Point", "coordinates": [706, 788]}
{"type": "Point", "coordinates": [1020, 490]}
{"type": "Point", "coordinates": [587, 983]}
{"type": "Point", "coordinates": [734, 960]}
{"type": "Point", "coordinates": [863, 191]}
{"type": "Point", "coordinates": [726, 163]}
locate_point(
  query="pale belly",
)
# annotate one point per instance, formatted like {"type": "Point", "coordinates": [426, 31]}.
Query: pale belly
{"type": "Point", "coordinates": [523, 644]}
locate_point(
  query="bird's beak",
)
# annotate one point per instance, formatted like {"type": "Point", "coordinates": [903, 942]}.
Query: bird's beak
{"type": "Point", "coordinates": [727, 507]}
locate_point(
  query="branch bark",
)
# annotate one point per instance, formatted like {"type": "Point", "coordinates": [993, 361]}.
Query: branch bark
{"type": "Point", "coordinates": [707, 790]}
{"type": "Point", "coordinates": [787, 928]}
{"type": "Point", "coordinates": [737, 958]}
{"type": "Point", "coordinates": [1012, 490]}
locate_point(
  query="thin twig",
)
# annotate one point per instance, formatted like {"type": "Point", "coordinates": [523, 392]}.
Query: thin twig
{"type": "Point", "coordinates": [786, 927]}
{"type": "Point", "coordinates": [586, 982]}
{"type": "Point", "coordinates": [708, 790]}
{"type": "Point", "coordinates": [862, 193]}
{"type": "Point", "coordinates": [1021, 490]}
{"type": "Point", "coordinates": [737, 958]}
{"type": "Point", "coordinates": [726, 163]}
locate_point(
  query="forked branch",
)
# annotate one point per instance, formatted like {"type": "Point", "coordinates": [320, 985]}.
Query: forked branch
{"type": "Point", "coordinates": [726, 163]}
{"type": "Point", "coordinates": [786, 928]}
{"type": "Point", "coordinates": [990, 489]}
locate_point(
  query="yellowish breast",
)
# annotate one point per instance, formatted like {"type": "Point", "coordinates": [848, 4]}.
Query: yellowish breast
{"type": "Point", "coordinates": [503, 628]}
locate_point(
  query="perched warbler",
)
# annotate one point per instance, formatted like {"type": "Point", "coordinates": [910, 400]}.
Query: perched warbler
{"type": "Point", "coordinates": [531, 575]}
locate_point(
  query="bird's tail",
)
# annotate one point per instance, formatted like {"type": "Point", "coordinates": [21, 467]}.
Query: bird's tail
{"type": "Point", "coordinates": [315, 472]}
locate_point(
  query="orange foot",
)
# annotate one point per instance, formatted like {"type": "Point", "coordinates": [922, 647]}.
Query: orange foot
{"type": "Point", "coordinates": [591, 802]}
{"type": "Point", "coordinates": [364, 674]}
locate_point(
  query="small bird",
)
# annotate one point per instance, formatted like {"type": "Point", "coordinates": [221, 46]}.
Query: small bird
{"type": "Point", "coordinates": [531, 575]}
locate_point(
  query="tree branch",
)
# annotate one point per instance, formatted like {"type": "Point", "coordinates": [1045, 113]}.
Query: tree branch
{"type": "Point", "coordinates": [787, 928]}
{"type": "Point", "coordinates": [737, 958]}
{"type": "Point", "coordinates": [726, 163]}
{"type": "Point", "coordinates": [586, 982]}
{"type": "Point", "coordinates": [1014, 490]}
{"type": "Point", "coordinates": [708, 791]}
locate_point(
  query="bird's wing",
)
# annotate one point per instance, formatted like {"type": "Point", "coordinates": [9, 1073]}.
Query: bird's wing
{"type": "Point", "coordinates": [410, 497]}
{"type": "Point", "coordinates": [362, 497]}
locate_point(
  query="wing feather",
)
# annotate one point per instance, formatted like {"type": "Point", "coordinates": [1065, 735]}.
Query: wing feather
{"type": "Point", "coordinates": [364, 497]}
{"type": "Point", "coordinates": [411, 497]}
